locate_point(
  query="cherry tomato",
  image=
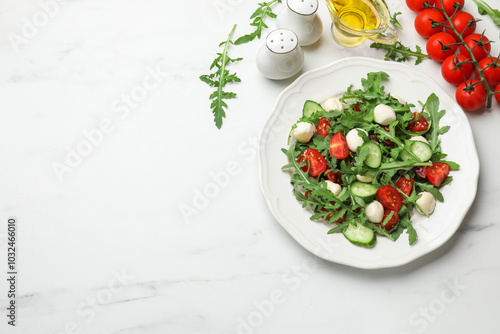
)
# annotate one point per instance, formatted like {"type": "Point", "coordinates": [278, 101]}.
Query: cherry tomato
{"type": "Point", "coordinates": [323, 126]}
{"type": "Point", "coordinates": [316, 163]}
{"type": "Point", "coordinates": [450, 5]}
{"type": "Point", "coordinates": [391, 223]}
{"type": "Point", "coordinates": [418, 5]}
{"type": "Point", "coordinates": [473, 98]}
{"type": "Point", "coordinates": [389, 197]}
{"type": "Point", "coordinates": [461, 23]}
{"type": "Point", "coordinates": [405, 185]}
{"type": "Point", "coordinates": [454, 72]}
{"type": "Point", "coordinates": [440, 46]}
{"type": "Point", "coordinates": [334, 177]}
{"type": "Point", "coordinates": [479, 45]}
{"type": "Point", "coordinates": [338, 146]}
{"type": "Point", "coordinates": [437, 173]}
{"type": "Point", "coordinates": [418, 123]}
{"type": "Point", "coordinates": [421, 171]}
{"type": "Point", "coordinates": [425, 22]}
{"type": "Point", "coordinates": [491, 70]}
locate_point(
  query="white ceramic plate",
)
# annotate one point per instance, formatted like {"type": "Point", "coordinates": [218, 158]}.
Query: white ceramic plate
{"type": "Point", "coordinates": [331, 80]}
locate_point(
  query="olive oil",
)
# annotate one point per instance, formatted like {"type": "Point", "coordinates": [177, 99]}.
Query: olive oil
{"type": "Point", "coordinates": [358, 14]}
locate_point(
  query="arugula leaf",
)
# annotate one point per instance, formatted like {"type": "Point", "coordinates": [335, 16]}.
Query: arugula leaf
{"type": "Point", "coordinates": [400, 53]}
{"type": "Point", "coordinates": [432, 107]}
{"type": "Point", "coordinates": [410, 230]}
{"type": "Point", "coordinates": [393, 18]}
{"type": "Point", "coordinates": [485, 9]}
{"type": "Point", "coordinates": [258, 17]}
{"type": "Point", "coordinates": [219, 79]}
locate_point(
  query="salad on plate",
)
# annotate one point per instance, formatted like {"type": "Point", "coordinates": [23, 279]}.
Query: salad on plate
{"type": "Point", "coordinates": [366, 161]}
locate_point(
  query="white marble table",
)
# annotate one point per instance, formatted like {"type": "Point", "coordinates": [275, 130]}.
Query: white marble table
{"type": "Point", "coordinates": [106, 134]}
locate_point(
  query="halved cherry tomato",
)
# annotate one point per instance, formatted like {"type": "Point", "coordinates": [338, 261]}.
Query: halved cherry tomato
{"type": "Point", "coordinates": [449, 5]}
{"type": "Point", "coordinates": [421, 171]}
{"type": "Point", "coordinates": [418, 5]}
{"type": "Point", "coordinates": [471, 99]}
{"type": "Point", "coordinates": [491, 70]}
{"type": "Point", "coordinates": [479, 45]}
{"type": "Point", "coordinates": [440, 46]}
{"type": "Point", "coordinates": [316, 163]}
{"type": "Point", "coordinates": [426, 22]}
{"type": "Point", "coordinates": [454, 72]}
{"type": "Point", "coordinates": [437, 173]}
{"type": "Point", "coordinates": [334, 177]}
{"type": "Point", "coordinates": [418, 123]}
{"type": "Point", "coordinates": [391, 223]}
{"type": "Point", "coordinates": [323, 126]}
{"type": "Point", "coordinates": [461, 23]}
{"type": "Point", "coordinates": [389, 197]}
{"type": "Point", "coordinates": [405, 185]}
{"type": "Point", "coordinates": [338, 146]}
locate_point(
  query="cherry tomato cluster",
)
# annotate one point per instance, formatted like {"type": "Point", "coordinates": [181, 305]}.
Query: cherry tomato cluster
{"type": "Point", "coordinates": [464, 54]}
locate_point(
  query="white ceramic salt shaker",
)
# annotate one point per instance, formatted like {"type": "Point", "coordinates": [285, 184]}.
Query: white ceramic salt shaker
{"type": "Point", "coordinates": [300, 17]}
{"type": "Point", "coordinates": [281, 57]}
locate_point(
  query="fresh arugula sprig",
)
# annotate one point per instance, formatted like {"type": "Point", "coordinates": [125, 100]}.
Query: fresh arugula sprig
{"type": "Point", "coordinates": [400, 53]}
{"type": "Point", "coordinates": [219, 79]}
{"type": "Point", "coordinates": [264, 10]}
{"type": "Point", "coordinates": [485, 9]}
{"type": "Point", "coordinates": [393, 17]}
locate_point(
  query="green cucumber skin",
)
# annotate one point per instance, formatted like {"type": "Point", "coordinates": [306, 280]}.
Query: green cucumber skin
{"type": "Point", "coordinates": [374, 158]}
{"type": "Point", "coordinates": [366, 191]}
{"type": "Point", "coordinates": [311, 107]}
{"type": "Point", "coordinates": [360, 235]}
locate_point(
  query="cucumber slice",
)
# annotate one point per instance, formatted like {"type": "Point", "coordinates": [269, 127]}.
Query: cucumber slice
{"type": "Point", "coordinates": [360, 235]}
{"type": "Point", "coordinates": [365, 191]}
{"type": "Point", "coordinates": [420, 149]}
{"type": "Point", "coordinates": [311, 107]}
{"type": "Point", "coordinates": [374, 157]}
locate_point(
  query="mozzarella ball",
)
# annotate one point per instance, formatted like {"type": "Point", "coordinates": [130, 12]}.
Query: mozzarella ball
{"type": "Point", "coordinates": [383, 114]}
{"type": "Point", "coordinates": [332, 103]}
{"type": "Point", "coordinates": [427, 202]}
{"type": "Point", "coordinates": [354, 140]}
{"type": "Point", "coordinates": [335, 188]}
{"type": "Point", "coordinates": [419, 138]}
{"type": "Point", "coordinates": [399, 98]}
{"type": "Point", "coordinates": [374, 212]}
{"type": "Point", "coordinates": [304, 132]}
{"type": "Point", "coordinates": [364, 178]}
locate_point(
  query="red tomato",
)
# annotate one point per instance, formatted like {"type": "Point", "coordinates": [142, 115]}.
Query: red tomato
{"type": "Point", "coordinates": [471, 98]}
{"type": "Point", "coordinates": [405, 185]}
{"type": "Point", "coordinates": [338, 221]}
{"type": "Point", "coordinates": [491, 70]}
{"type": "Point", "coordinates": [440, 46]}
{"type": "Point", "coordinates": [437, 173]}
{"type": "Point", "coordinates": [316, 163]}
{"type": "Point", "coordinates": [480, 46]}
{"type": "Point", "coordinates": [338, 146]}
{"type": "Point", "coordinates": [323, 126]}
{"type": "Point", "coordinates": [389, 197]}
{"type": "Point", "coordinates": [421, 171]}
{"type": "Point", "coordinates": [454, 72]}
{"type": "Point", "coordinates": [449, 5]}
{"type": "Point", "coordinates": [418, 123]}
{"type": "Point", "coordinates": [425, 22]}
{"type": "Point", "coordinates": [391, 223]}
{"type": "Point", "coordinates": [418, 5]}
{"type": "Point", "coordinates": [334, 177]}
{"type": "Point", "coordinates": [461, 23]}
